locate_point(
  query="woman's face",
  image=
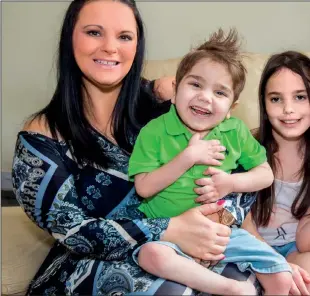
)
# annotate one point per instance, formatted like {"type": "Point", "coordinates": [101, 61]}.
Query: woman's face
{"type": "Point", "coordinates": [105, 41]}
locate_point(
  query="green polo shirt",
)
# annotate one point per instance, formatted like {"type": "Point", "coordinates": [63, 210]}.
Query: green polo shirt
{"type": "Point", "coordinates": [165, 137]}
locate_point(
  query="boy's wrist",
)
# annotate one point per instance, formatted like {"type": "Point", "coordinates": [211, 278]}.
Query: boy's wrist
{"type": "Point", "coordinates": [233, 182]}
{"type": "Point", "coordinates": [188, 156]}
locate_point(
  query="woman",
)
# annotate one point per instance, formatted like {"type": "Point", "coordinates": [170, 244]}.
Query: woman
{"type": "Point", "coordinates": [71, 159]}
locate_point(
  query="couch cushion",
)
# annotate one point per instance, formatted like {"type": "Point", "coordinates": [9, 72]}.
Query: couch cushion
{"type": "Point", "coordinates": [24, 247]}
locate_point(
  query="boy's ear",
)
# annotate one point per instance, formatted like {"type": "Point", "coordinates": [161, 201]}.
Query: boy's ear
{"type": "Point", "coordinates": [233, 106]}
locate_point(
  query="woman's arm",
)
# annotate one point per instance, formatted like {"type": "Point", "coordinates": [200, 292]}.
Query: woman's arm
{"type": "Point", "coordinates": [46, 189]}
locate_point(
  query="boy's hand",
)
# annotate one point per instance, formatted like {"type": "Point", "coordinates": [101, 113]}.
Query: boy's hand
{"type": "Point", "coordinates": [205, 152]}
{"type": "Point", "coordinates": [219, 185]}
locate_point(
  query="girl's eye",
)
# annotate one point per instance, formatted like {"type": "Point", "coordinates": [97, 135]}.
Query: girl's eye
{"type": "Point", "coordinates": [126, 37]}
{"type": "Point", "coordinates": [274, 100]}
{"type": "Point", "coordinates": [93, 33]}
{"type": "Point", "coordinates": [300, 97]}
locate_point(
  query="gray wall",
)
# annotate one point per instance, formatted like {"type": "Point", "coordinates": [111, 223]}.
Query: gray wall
{"type": "Point", "coordinates": [30, 32]}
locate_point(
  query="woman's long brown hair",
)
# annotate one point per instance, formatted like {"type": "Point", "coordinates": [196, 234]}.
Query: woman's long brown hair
{"type": "Point", "coordinates": [262, 209]}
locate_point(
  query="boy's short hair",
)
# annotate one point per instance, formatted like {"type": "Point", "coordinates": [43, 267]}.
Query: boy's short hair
{"type": "Point", "coordinates": [221, 49]}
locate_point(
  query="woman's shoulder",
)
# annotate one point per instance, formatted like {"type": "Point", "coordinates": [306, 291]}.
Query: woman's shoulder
{"type": "Point", "coordinates": [37, 125]}
{"type": "Point", "coordinates": [36, 131]}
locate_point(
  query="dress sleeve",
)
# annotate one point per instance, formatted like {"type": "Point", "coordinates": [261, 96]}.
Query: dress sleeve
{"type": "Point", "coordinates": [45, 187]}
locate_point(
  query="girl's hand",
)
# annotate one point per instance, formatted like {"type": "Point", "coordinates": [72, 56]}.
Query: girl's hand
{"type": "Point", "coordinates": [301, 278]}
{"type": "Point", "coordinates": [205, 152]}
{"type": "Point", "coordinates": [198, 236]}
{"type": "Point", "coordinates": [214, 188]}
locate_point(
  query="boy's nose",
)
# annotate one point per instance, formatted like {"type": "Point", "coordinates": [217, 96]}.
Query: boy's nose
{"type": "Point", "coordinates": [206, 97]}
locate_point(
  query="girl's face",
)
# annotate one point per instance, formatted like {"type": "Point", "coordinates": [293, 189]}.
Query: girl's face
{"type": "Point", "coordinates": [287, 105]}
{"type": "Point", "coordinates": [105, 41]}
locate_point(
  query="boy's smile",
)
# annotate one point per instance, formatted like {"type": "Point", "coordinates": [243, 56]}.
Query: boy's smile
{"type": "Point", "coordinates": [204, 96]}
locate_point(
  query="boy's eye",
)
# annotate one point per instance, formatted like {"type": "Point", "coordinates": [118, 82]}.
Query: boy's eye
{"type": "Point", "coordinates": [93, 33]}
{"type": "Point", "coordinates": [275, 100]}
{"type": "Point", "coordinates": [126, 37]}
{"type": "Point", "coordinates": [221, 93]}
{"type": "Point", "coordinates": [195, 84]}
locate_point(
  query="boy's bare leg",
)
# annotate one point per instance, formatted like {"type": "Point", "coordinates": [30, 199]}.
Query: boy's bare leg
{"type": "Point", "coordinates": [164, 262]}
{"type": "Point", "coordinates": [275, 283]}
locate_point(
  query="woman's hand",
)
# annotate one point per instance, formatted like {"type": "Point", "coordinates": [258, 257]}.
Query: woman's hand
{"type": "Point", "coordinates": [301, 278]}
{"type": "Point", "coordinates": [198, 236]}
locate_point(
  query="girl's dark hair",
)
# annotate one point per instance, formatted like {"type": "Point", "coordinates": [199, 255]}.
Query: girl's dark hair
{"type": "Point", "coordinates": [261, 211]}
{"type": "Point", "coordinates": [65, 112]}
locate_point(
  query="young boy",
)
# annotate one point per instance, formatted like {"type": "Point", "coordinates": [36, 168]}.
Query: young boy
{"type": "Point", "coordinates": [173, 151]}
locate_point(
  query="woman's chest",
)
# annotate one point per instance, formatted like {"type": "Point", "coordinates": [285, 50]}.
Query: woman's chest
{"type": "Point", "coordinates": [101, 191]}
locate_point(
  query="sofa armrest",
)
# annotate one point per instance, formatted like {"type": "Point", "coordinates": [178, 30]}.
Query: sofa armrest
{"type": "Point", "coordinates": [24, 248]}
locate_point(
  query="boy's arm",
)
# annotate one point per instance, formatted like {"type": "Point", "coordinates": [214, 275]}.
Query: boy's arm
{"type": "Point", "coordinates": [221, 183]}
{"type": "Point", "coordinates": [149, 184]}
{"type": "Point", "coordinates": [255, 179]}
{"type": "Point", "coordinates": [302, 235]}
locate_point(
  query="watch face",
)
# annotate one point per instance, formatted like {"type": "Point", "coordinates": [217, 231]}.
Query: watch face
{"type": "Point", "coordinates": [226, 217]}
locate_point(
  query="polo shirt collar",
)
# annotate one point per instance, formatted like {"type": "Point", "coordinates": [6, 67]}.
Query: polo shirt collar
{"type": "Point", "coordinates": [174, 126]}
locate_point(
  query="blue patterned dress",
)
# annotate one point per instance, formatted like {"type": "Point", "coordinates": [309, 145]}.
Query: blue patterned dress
{"type": "Point", "coordinates": [92, 214]}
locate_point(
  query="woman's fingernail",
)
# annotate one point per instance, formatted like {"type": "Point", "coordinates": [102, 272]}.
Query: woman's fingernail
{"type": "Point", "coordinates": [223, 258]}
{"type": "Point", "coordinates": [221, 202]}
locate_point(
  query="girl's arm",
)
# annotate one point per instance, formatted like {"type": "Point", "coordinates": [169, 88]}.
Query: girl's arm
{"type": "Point", "coordinates": [249, 225]}
{"type": "Point", "coordinates": [303, 233]}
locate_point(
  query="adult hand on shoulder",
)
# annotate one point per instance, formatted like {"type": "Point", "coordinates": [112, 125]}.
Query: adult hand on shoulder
{"type": "Point", "coordinates": [197, 235]}
{"type": "Point", "coordinates": [301, 278]}
{"type": "Point", "coordinates": [163, 87]}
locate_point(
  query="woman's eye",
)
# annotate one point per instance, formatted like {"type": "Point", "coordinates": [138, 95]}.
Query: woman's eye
{"type": "Point", "coordinates": [93, 33]}
{"type": "Point", "coordinates": [126, 37]}
{"type": "Point", "coordinates": [275, 100]}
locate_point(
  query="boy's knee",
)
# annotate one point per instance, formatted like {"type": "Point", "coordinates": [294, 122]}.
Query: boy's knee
{"type": "Point", "coordinates": [154, 256]}
{"type": "Point", "coordinates": [284, 280]}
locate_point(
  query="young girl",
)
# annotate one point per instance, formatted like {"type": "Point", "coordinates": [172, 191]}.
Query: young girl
{"type": "Point", "coordinates": [284, 219]}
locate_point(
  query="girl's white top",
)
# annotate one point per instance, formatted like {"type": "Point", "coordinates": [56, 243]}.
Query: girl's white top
{"type": "Point", "coordinates": [282, 226]}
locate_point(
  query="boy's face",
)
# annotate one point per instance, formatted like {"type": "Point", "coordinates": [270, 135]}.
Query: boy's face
{"type": "Point", "coordinates": [204, 96]}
